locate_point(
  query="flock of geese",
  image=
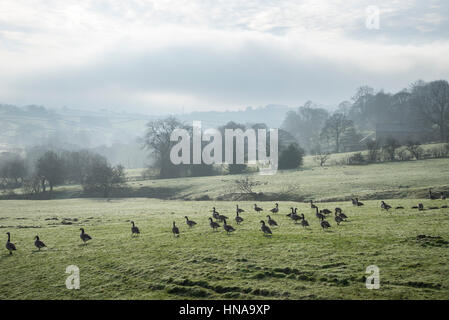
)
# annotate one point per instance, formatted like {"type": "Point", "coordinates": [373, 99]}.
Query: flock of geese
{"type": "Point", "coordinates": [217, 218]}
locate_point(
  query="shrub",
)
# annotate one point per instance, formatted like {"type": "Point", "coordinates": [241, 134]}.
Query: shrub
{"type": "Point", "coordinates": [415, 149]}
{"type": "Point", "coordinates": [373, 150]}
{"type": "Point", "coordinates": [291, 157]}
{"type": "Point", "coordinates": [356, 159]}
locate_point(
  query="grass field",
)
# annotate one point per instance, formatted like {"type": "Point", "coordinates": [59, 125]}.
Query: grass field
{"type": "Point", "coordinates": [410, 179]}
{"type": "Point", "coordinates": [293, 264]}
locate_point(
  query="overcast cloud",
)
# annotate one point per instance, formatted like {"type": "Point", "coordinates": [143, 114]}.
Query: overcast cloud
{"type": "Point", "coordinates": [166, 56]}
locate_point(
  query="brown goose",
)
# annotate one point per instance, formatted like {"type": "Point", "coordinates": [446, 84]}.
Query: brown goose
{"type": "Point", "coordinates": [222, 218]}
{"type": "Point", "coordinates": [342, 215]}
{"type": "Point", "coordinates": [325, 224]}
{"type": "Point", "coordinates": [84, 236]}
{"type": "Point", "coordinates": [295, 217]}
{"type": "Point", "coordinates": [9, 245]}
{"type": "Point", "coordinates": [265, 229]}
{"type": "Point", "coordinates": [319, 215]}
{"type": "Point", "coordinates": [338, 219]}
{"type": "Point", "coordinates": [38, 243]}
{"type": "Point", "coordinates": [238, 218]}
{"type": "Point", "coordinates": [275, 209]}
{"type": "Point", "coordinates": [215, 214]}
{"type": "Point", "coordinates": [213, 224]}
{"type": "Point", "coordinates": [271, 222]}
{"type": "Point", "coordinates": [385, 206]}
{"type": "Point", "coordinates": [134, 229]}
{"type": "Point", "coordinates": [304, 222]}
{"type": "Point", "coordinates": [228, 228]}
{"type": "Point", "coordinates": [190, 223]}
{"type": "Point", "coordinates": [175, 230]}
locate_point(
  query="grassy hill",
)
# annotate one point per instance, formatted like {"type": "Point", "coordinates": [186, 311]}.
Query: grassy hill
{"type": "Point", "coordinates": [409, 247]}
{"type": "Point", "coordinates": [410, 179]}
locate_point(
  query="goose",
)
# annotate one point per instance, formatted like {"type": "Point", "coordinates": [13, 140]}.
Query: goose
{"type": "Point", "coordinates": [343, 216]}
{"type": "Point", "coordinates": [354, 202]}
{"type": "Point", "coordinates": [290, 214]}
{"type": "Point", "coordinates": [304, 222]}
{"type": "Point", "coordinates": [257, 209]}
{"type": "Point", "coordinates": [213, 224]}
{"type": "Point", "coordinates": [295, 217]}
{"type": "Point", "coordinates": [319, 215]}
{"type": "Point", "coordinates": [9, 245]}
{"type": "Point", "coordinates": [399, 207]}
{"type": "Point", "coordinates": [228, 228]}
{"type": "Point", "coordinates": [238, 218]}
{"type": "Point", "coordinates": [134, 229]}
{"type": "Point", "coordinates": [444, 207]}
{"type": "Point", "coordinates": [84, 236]}
{"type": "Point", "coordinates": [385, 206]}
{"type": "Point", "coordinates": [190, 223]}
{"type": "Point", "coordinates": [175, 230]}
{"type": "Point", "coordinates": [271, 222]}
{"type": "Point", "coordinates": [325, 224]}
{"type": "Point", "coordinates": [338, 210]}
{"type": "Point", "coordinates": [432, 196]}
{"type": "Point", "coordinates": [265, 229]}
{"type": "Point", "coordinates": [338, 219]}
{"type": "Point", "coordinates": [275, 209]}
{"type": "Point", "coordinates": [312, 206]}
{"type": "Point", "coordinates": [326, 211]}
{"type": "Point", "coordinates": [215, 214]}
{"type": "Point", "coordinates": [222, 218]}
{"type": "Point", "coordinates": [239, 210]}
{"type": "Point", "coordinates": [359, 204]}
{"type": "Point", "coordinates": [39, 244]}
{"type": "Point", "coordinates": [420, 207]}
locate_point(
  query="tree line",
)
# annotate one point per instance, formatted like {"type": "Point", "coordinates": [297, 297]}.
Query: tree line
{"type": "Point", "coordinates": [424, 105]}
{"type": "Point", "coordinates": [40, 171]}
{"type": "Point", "coordinates": [157, 141]}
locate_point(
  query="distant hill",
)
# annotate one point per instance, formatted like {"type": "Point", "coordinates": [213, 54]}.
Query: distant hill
{"type": "Point", "coordinates": [271, 115]}
{"type": "Point", "coordinates": [112, 134]}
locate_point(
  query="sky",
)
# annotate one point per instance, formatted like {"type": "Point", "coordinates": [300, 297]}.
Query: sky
{"type": "Point", "coordinates": [171, 56]}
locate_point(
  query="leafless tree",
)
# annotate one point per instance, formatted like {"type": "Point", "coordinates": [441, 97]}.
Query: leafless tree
{"type": "Point", "coordinates": [431, 100]}
{"type": "Point", "coordinates": [334, 128]}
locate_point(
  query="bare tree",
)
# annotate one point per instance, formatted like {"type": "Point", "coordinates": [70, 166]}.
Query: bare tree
{"type": "Point", "coordinates": [373, 150]}
{"type": "Point", "coordinates": [157, 140]}
{"type": "Point", "coordinates": [334, 128]}
{"type": "Point", "coordinates": [50, 168]}
{"type": "Point", "coordinates": [246, 184]}
{"type": "Point", "coordinates": [431, 100]}
{"type": "Point", "coordinates": [390, 147]}
{"type": "Point", "coordinates": [320, 156]}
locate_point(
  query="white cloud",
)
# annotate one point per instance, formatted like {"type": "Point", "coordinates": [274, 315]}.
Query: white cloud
{"type": "Point", "coordinates": [202, 54]}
